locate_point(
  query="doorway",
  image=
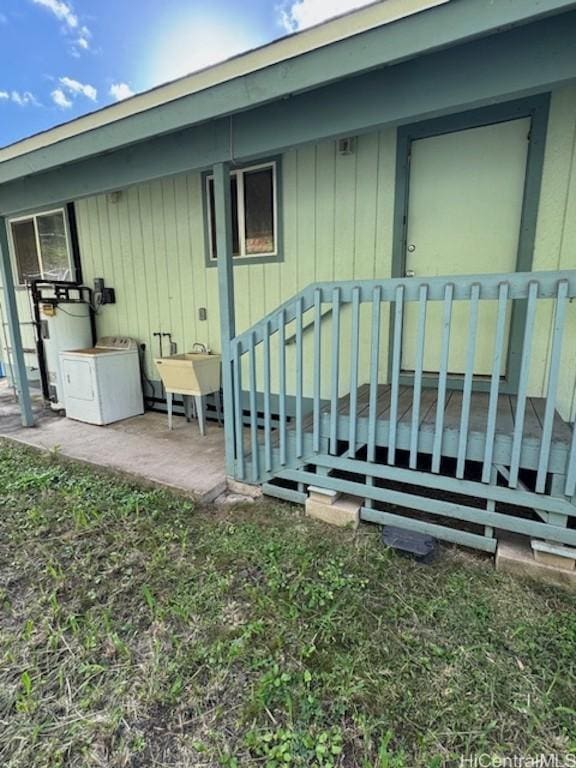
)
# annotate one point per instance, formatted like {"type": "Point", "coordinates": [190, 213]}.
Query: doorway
{"type": "Point", "coordinates": [467, 200]}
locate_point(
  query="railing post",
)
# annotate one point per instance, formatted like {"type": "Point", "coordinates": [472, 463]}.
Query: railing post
{"type": "Point", "coordinates": [223, 216]}
{"type": "Point", "coordinates": [335, 371]}
{"type": "Point", "coordinates": [497, 361]}
{"type": "Point", "coordinates": [553, 377]}
{"type": "Point", "coordinates": [19, 367]}
{"type": "Point", "coordinates": [417, 393]}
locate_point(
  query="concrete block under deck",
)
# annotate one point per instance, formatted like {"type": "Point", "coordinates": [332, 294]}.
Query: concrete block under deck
{"type": "Point", "coordinates": [515, 556]}
{"type": "Point", "coordinates": [342, 512]}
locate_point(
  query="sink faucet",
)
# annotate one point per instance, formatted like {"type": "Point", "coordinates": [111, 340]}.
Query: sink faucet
{"type": "Point", "coordinates": [200, 345]}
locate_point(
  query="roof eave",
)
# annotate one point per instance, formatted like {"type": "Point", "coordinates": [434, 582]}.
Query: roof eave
{"type": "Point", "coordinates": [448, 24]}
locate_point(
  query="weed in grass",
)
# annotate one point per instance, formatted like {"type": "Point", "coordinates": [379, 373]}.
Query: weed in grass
{"type": "Point", "coordinates": [138, 630]}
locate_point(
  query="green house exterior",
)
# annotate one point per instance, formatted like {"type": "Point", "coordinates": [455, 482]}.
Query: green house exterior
{"type": "Point", "coordinates": [138, 186]}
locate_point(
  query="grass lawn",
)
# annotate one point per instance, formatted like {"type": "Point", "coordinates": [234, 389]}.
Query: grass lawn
{"type": "Point", "coordinates": [138, 630]}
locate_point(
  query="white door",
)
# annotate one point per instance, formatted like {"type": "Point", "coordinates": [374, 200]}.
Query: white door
{"type": "Point", "coordinates": [466, 192]}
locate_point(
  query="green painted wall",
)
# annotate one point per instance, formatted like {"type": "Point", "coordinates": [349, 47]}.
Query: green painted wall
{"type": "Point", "coordinates": [26, 329]}
{"type": "Point", "coordinates": [555, 245]}
{"type": "Point", "coordinates": [149, 243]}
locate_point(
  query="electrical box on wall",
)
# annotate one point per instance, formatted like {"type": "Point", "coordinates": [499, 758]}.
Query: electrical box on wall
{"type": "Point", "coordinates": [346, 145]}
{"type": "Point", "coordinates": [102, 294]}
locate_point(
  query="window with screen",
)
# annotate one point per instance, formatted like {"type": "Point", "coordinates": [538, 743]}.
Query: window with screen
{"type": "Point", "coordinates": [253, 200]}
{"type": "Point", "coordinates": [41, 247]}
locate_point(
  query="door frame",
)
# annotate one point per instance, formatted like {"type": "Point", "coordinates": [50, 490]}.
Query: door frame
{"type": "Point", "coordinates": [535, 107]}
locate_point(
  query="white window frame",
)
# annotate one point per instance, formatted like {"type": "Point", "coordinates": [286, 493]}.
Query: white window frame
{"type": "Point", "coordinates": [238, 173]}
{"type": "Point", "coordinates": [34, 216]}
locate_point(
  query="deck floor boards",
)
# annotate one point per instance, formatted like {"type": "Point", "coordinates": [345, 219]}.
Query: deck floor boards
{"type": "Point", "coordinates": [479, 403]}
{"type": "Point", "coordinates": [478, 419]}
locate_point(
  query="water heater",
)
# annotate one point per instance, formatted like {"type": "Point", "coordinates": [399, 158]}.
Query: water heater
{"type": "Point", "coordinates": [65, 324]}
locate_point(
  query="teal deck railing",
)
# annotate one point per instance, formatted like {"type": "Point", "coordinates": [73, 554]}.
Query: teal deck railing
{"type": "Point", "coordinates": [321, 388]}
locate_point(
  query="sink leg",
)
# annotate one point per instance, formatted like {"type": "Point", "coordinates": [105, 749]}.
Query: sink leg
{"type": "Point", "coordinates": [169, 398]}
{"type": "Point", "coordinates": [201, 415]}
{"type": "Point", "coordinates": [218, 403]}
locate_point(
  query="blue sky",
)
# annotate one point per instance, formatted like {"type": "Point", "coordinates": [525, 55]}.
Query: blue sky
{"type": "Point", "coordinates": [62, 58]}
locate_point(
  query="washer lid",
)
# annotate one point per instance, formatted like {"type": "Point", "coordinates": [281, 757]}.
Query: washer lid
{"type": "Point", "coordinates": [117, 343]}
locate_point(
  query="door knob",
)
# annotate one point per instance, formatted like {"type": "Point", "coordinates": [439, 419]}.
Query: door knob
{"type": "Point", "coordinates": [411, 248]}
{"type": "Point", "coordinates": [410, 273]}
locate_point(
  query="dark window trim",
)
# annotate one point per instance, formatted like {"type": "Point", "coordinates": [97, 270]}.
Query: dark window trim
{"type": "Point", "coordinates": [241, 260]}
{"type": "Point", "coordinates": [74, 242]}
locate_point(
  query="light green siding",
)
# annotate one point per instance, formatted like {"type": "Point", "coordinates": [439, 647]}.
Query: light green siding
{"type": "Point", "coordinates": [149, 243]}
{"type": "Point", "coordinates": [555, 245]}
{"type": "Point", "coordinates": [26, 329]}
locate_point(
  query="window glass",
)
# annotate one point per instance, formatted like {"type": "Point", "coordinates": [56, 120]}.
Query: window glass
{"type": "Point", "coordinates": [41, 248]}
{"type": "Point", "coordinates": [234, 206]}
{"type": "Point", "coordinates": [259, 211]}
{"type": "Point", "coordinates": [53, 247]}
{"type": "Point", "coordinates": [24, 239]}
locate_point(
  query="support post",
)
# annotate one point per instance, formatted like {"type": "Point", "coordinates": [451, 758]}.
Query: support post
{"type": "Point", "coordinates": [223, 217]}
{"type": "Point", "coordinates": [14, 335]}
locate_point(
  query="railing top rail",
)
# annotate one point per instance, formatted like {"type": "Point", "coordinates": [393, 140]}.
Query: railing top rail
{"type": "Point", "coordinates": [518, 287]}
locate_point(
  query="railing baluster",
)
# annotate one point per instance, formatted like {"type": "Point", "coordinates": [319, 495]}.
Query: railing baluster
{"type": "Point", "coordinates": [374, 370]}
{"type": "Point", "coordinates": [374, 366]}
{"type": "Point", "coordinates": [299, 369]}
{"type": "Point", "coordinates": [442, 378]}
{"type": "Point", "coordinates": [317, 365]}
{"type": "Point", "coordinates": [468, 377]}
{"type": "Point", "coordinates": [238, 415]}
{"type": "Point", "coordinates": [554, 373]}
{"type": "Point", "coordinates": [497, 360]}
{"type": "Point", "coordinates": [267, 408]}
{"type": "Point", "coordinates": [334, 391]}
{"type": "Point", "coordinates": [253, 411]}
{"type": "Point", "coordinates": [523, 385]}
{"type": "Point", "coordinates": [570, 489]}
{"type": "Point", "coordinates": [282, 384]}
{"type": "Point", "coordinates": [418, 369]}
{"type": "Point", "coordinates": [353, 396]}
{"type": "Point", "coordinates": [396, 361]}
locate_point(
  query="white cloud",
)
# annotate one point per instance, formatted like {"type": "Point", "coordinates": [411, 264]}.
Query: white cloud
{"type": "Point", "coordinates": [64, 12]}
{"type": "Point", "coordinates": [23, 98]}
{"type": "Point", "coordinates": [76, 88]}
{"type": "Point", "coordinates": [60, 99]}
{"type": "Point", "coordinates": [121, 91]}
{"type": "Point", "coordinates": [83, 39]}
{"type": "Point", "coordinates": [301, 14]}
{"type": "Point", "coordinates": [61, 10]}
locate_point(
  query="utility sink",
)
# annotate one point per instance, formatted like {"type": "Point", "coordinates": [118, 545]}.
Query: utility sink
{"type": "Point", "coordinates": [191, 373]}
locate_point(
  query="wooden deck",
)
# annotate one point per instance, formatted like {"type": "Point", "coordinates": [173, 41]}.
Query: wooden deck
{"type": "Point", "coordinates": [532, 432]}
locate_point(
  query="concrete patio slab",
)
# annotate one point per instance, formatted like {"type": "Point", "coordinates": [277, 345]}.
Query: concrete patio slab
{"type": "Point", "coordinates": [140, 447]}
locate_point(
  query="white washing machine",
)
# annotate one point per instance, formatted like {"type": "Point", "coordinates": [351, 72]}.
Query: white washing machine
{"type": "Point", "coordinates": [102, 384]}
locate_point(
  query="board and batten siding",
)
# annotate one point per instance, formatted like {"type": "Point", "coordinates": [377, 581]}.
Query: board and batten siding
{"type": "Point", "coordinates": [555, 244]}
{"type": "Point", "coordinates": [148, 242]}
